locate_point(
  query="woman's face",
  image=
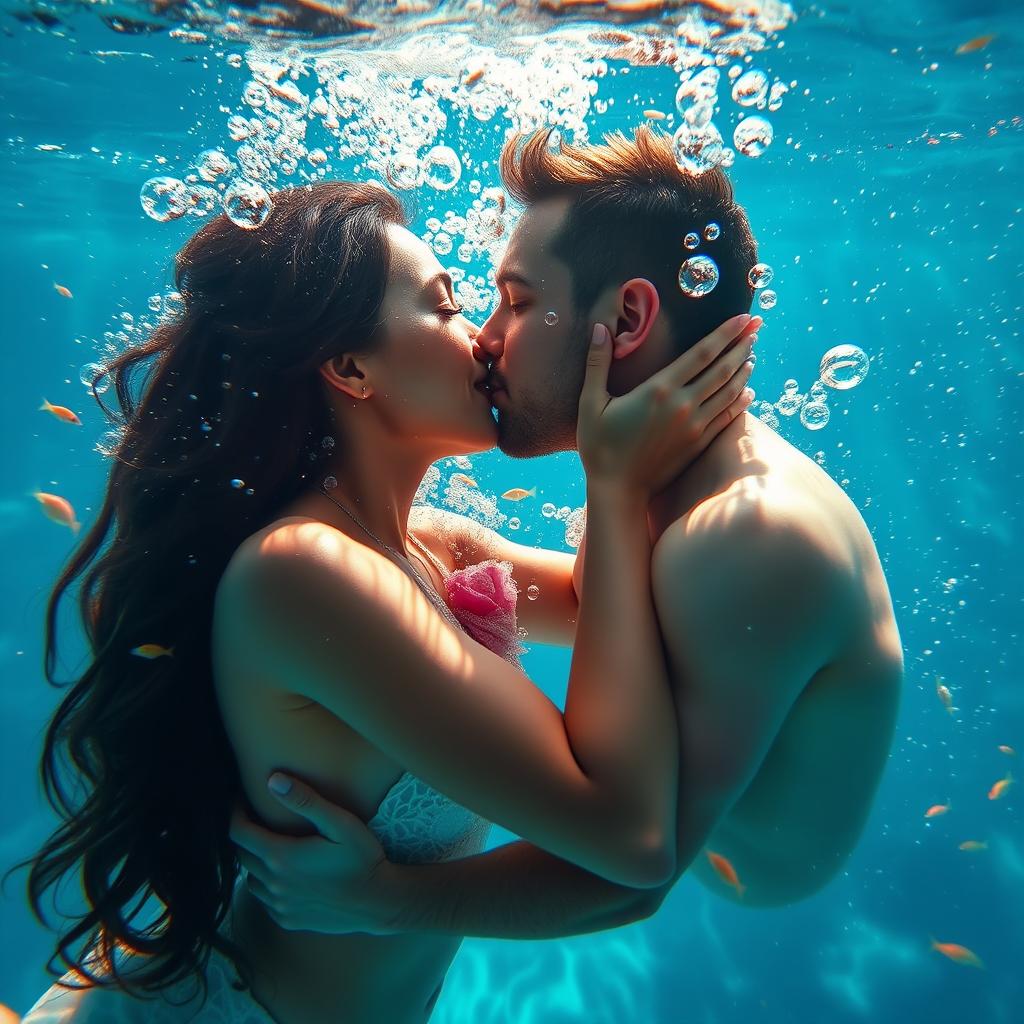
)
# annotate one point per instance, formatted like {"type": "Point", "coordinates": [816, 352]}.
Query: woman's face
{"type": "Point", "coordinates": [424, 370]}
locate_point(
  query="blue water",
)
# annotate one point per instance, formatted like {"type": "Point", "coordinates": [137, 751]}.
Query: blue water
{"type": "Point", "coordinates": [878, 238]}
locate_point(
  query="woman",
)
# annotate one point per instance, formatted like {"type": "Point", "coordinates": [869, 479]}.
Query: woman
{"type": "Point", "coordinates": [298, 600]}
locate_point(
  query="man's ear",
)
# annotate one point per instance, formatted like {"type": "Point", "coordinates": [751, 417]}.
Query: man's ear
{"type": "Point", "coordinates": [344, 373]}
{"type": "Point", "coordinates": [638, 309]}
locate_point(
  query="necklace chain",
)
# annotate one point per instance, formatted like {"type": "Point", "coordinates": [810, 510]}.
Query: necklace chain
{"type": "Point", "coordinates": [427, 588]}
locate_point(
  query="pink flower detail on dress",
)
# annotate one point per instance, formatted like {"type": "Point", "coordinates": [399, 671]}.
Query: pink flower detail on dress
{"type": "Point", "coordinates": [483, 598]}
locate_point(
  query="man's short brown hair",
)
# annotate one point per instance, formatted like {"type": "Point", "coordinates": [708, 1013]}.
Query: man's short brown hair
{"type": "Point", "coordinates": [631, 207]}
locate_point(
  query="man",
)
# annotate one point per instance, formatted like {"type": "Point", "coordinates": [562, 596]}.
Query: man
{"type": "Point", "coordinates": [778, 628]}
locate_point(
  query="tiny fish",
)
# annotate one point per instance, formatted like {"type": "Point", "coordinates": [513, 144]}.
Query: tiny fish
{"type": "Point", "coordinates": [936, 809]}
{"type": "Point", "coordinates": [474, 76]}
{"type": "Point", "coordinates": [462, 478]}
{"type": "Point", "coordinates": [726, 871]}
{"type": "Point", "coordinates": [958, 954]}
{"type": "Point", "coordinates": [977, 43]}
{"type": "Point", "coordinates": [49, 147]}
{"type": "Point", "coordinates": [60, 412]}
{"type": "Point", "coordinates": [1000, 787]}
{"type": "Point", "coordinates": [944, 695]}
{"type": "Point", "coordinates": [972, 845]}
{"type": "Point", "coordinates": [66, 292]}
{"type": "Point", "coordinates": [57, 509]}
{"type": "Point", "coordinates": [152, 651]}
{"type": "Point", "coordinates": [517, 494]}
{"type": "Point", "coordinates": [1009, 751]}
{"type": "Point", "coordinates": [654, 115]}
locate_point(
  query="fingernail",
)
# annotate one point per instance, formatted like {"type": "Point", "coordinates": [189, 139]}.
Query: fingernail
{"type": "Point", "coordinates": [751, 359]}
{"type": "Point", "coordinates": [748, 393]}
{"type": "Point", "coordinates": [752, 338]}
{"type": "Point", "coordinates": [279, 784]}
{"type": "Point", "coordinates": [598, 337]}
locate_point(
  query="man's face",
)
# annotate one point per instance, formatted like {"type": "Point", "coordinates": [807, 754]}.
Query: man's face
{"type": "Point", "coordinates": [536, 344]}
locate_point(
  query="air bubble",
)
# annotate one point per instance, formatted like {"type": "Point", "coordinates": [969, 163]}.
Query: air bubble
{"type": "Point", "coordinates": [697, 149]}
{"type": "Point", "coordinates": [211, 164]}
{"type": "Point", "coordinates": [767, 299]}
{"type": "Point", "coordinates": [814, 415]}
{"type": "Point", "coordinates": [753, 135]}
{"type": "Point", "coordinates": [711, 232]}
{"type": "Point", "coordinates": [248, 204]}
{"type": "Point", "coordinates": [547, 510]}
{"type": "Point", "coordinates": [514, 523]}
{"type": "Point", "coordinates": [698, 276]}
{"type": "Point", "coordinates": [843, 367]}
{"type": "Point", "coordinates": [750, 89]}
{"type": "Point", "coordinates": [164, 198]}
{"type": "Point", "coordinates": [760, 275]}
{"type": "Point", "coordinates": [442, 168]}
{"type": "Point", "coordinates": [533, 592]}
{"type": "Point", "coordinates": [551, 318]}
{"type": "Point", "coordinates": [238, 484]}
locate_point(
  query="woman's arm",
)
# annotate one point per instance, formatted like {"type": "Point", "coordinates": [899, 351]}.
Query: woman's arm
{"type": "Point", "coordinates": [343, 625]}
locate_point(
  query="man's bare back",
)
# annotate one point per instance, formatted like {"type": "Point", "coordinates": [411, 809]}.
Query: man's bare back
{"type": "Point", "coordinates": [800, 814]}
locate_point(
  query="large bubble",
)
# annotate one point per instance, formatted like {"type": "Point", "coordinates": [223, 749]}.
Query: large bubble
{"type": "Point", "coordinates": [442, 168]}
{"type": "Point", "coordinates": [767, 299]}
{"type": "Point", "coordinates": [211, 164]}
{"type": "Point", "coordinates": [843, 367]}
{"type": "Point", "coordinates": [164, 198]}
{"type": "Point", "coordinates": [814, 415]}
{"type": "Point", "coordinates": [699, 89]}
{"type": "Point", "coordinates": [750, 88]}
{"type": "Point", "coordinates": [248, 204]}
{"type": "Point", "coordinates": [404, 171]}
{"type": "Point", "coordinates": [753, 135]}
{"type": "Point", "coordinates": [698, 276]}
{"type": "Point", "coordinates": [760, 275]}
{"type": "Point", "coordinates": [697, 149]}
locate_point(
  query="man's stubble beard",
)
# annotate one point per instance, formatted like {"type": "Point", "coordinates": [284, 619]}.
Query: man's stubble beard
{"type": "Point", "coordinates": [543, 425]}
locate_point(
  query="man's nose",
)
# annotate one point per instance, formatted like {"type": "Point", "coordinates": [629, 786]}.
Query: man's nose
{"type": "Point", "coordinates": [488, 344]}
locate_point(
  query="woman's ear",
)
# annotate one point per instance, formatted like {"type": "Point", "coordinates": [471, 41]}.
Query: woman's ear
{"type": "Point", "coordinates": [343, 373]}
{"type": "Point", "coordinates": [638, 309]}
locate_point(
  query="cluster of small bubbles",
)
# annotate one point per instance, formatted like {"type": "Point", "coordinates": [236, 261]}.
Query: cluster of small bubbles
{"type": "Point", "coordinates": [474, 293]}
{"type": "Point", "coordinates": [692, 240]}
{"type": "Point", "coordinates": [442, 168]}
{"type": "Point", "coordinates": [789, 403]}
{"type": "Point", "coordinates": [711, 232]}
{"type": "Point", "coordinates": [248, 204]}
{"type": "Point", "coordinates": [474, 503]}
{"type": "Point", "coordinates": [514, 523]}
{"type": "Point", "coordinates": [330, 482]}
{"type": "Point", "coordinates": [327, 443]}
{"type": "Point", "coordinates": [88, 372]}
{"type": "Point", "coordinates": [202, 200]}
{"type": "Point", "coordinates": [760, 275]}
{"type": "Point", "coordinates": [532, 592]}
{"type": "Point", "coordinates": [698, 89]}
{"type": "Point", "coordinates": [750, 89]}
{"type": "Point", "coordinates": [234, 60]}
{"type": "Point", "coordinates": [697, 276]}
{"type": "Point", "coordinates": [204, 426]}
{"type": "Point", "coordinates": [156, 302]}
{"type": "Point", "coordinates": [767, 299]}
{"type": "Point", "coordinates": [462, 462]}
{"type": "Point", "coordinates": [563, 513]}
{"type": "Point", "coordinates": [791, 387]}
{"type": "Point", "coordinates": [442, 243]}
{"type": "Point", "coordinates": [766, 414]}
{"type": "Point", "coordinates": [164, 198]}
{"type": "Point", "coordinates": [255, 95]}
{"type": "Point", "coordinates": [575, 527]}
{"type": "Point", "coordinates": [403, 170]}
{"type": "Point", "coordinates": [427, 489]}
{"type": "Point", "coordinates": [753, 135]}
{"type": "Point", "coordinates": [697, 149]}
{"type": "Point", "coordinates": [814, 415]}
{"type": "Point", "coordinates": [843, 367]}
{"type": "Point", "coordinates": [239, 128]}
{"type": "Point", "coordinates": [949, 585]}
{"type": "Point", "coordinates": [475, 187]}
{"type": "Point", "coordinates": [551, 318]}
{"type": "Point", "coordinates": [316, 157]}
{"type": "Point", "coordinates": [433, 224]}
{"type": "Point", "coordinates": [778, 90]}
{"type": "Point", "coordinates": [817, 392]}
{"type": "Point", "coordinates": [174, 303]}
{"type": "Point", "coordinates": [212, 163]}
{"type": "Point", "coordinates": [548, 509]}
{"type": "Point", "coordinates": [819, 458]}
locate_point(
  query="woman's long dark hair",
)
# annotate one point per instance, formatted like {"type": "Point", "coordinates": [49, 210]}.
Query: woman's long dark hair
{"type": "Point", "coordinates": [231, 415]}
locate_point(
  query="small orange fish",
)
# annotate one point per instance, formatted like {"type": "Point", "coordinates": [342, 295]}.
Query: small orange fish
{"type": "Point", "coordinates": [66, 292]}
{"type": "Point", "coordinates": [654, 115]}
{"type": "Point", "coordinates": [958, 954]}
{"type": "Point", "coordinates": [474, 76]}
{"type": "Point", "coordinates": [1000, 787]}
{"type": "Point", "coordinates": [1009, 751]}
{"type": "Point", "coordinates": [972, 845]}
{"type": "Point", "coordinates": [936, 809]}
{"type": "Point", "coordinates": [152, 651]}
{"type": "Point", "coordinates": [517, 494]}
{"type": "Point", "coordinates": [57, 509]}
{"type": "Point", "coordinates": [944, 695]}
{"type": "Point", "coordinates": [726, 871]}
{"type": "Point", "coordinates": [461, 478]}
{"type": "Point", "coordinates": [977, 43]}
{"type": "Point", "coordinates": [60, 412]}
{"type": "Point", "coordinates": [8, 1016]}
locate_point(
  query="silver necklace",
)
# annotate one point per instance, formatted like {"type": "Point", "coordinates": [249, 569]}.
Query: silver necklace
{"type": "Point", "coordinates": [427, 589]}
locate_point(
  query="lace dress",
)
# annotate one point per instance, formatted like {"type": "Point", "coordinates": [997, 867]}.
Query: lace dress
{"type": "Point", "coordinates": [414, 823]}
